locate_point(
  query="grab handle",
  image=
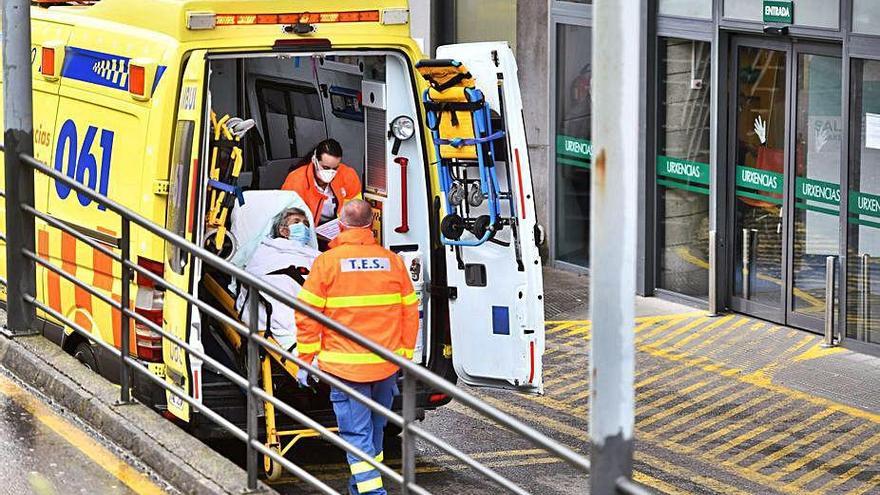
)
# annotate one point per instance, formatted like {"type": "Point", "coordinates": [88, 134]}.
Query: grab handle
{"type": "Point", "coordinates": [404, 214]}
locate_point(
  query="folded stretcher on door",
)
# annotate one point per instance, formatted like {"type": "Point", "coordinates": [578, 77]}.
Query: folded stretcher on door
{"type": "Point", "coordinates": [460, 121]}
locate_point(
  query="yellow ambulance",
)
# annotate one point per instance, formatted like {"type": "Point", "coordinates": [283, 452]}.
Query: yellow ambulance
{"type": "Point", "coordinates": [124, 96]}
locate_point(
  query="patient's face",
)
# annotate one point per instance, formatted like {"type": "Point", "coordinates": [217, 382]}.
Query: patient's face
{"type": "Point", "coordinates": [292, 220]}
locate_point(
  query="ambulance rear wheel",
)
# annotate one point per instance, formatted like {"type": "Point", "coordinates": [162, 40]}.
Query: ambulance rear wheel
{"type": "Point", "coordinates": [452, 227]}
{"type": "Point", "coordinates": [84, 354]}
{"type": "Point", "coordinates": [274, 470]}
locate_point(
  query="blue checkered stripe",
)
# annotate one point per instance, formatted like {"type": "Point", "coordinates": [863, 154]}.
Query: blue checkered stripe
{"type": "Point", "coordinates": [103, 69]}
{"type": "Point", "coordinates": [114, 71]}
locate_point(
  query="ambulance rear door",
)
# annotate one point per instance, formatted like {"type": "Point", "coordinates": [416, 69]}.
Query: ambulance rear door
{"type": "Point", "coordinates": [496, 289]}
{"type": "Point", "coordinates": [182, 370]}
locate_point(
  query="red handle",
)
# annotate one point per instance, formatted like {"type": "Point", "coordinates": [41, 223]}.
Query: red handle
{"type": "Point", "coordinates": [404, 214]}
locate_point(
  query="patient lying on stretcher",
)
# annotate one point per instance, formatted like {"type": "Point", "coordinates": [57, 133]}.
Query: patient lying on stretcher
{"type": "Point", "coordinates": [283, 259]}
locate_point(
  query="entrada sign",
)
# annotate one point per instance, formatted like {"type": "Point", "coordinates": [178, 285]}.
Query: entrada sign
{"type": "Point", "coordinates": [778, 12]}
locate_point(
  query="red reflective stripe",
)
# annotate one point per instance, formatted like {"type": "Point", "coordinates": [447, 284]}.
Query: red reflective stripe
{"type": "Point", "coordinates": [531, 361]}
{"type": "Point", "coordinates": [196, 385]}
{"type": "Point", "coordinates": [522, 199]}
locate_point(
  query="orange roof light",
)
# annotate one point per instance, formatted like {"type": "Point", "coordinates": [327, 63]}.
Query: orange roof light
{"type": "Point", "coordinates": [295, 18]}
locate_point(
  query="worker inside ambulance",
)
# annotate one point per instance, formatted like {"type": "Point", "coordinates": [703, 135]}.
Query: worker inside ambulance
{"type": "Point", "coordinates": [282, 259]}
{"type": "Point", "coordinates": [325, 184]}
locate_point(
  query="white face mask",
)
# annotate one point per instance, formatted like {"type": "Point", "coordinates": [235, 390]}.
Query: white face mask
{"type": "Point", "coordinates": [325, 175]}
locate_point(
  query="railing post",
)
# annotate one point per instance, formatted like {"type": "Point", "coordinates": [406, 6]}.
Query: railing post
{"type": "Point", "coordinates": [408, 440]}
{"type": "Point", "coordinates": [18, 138]}
{"type": "Point", "coordinates": [125, 320]}
{"type": "Point", "coordinates": [617, 72]}
{"type": "Point", "coordinates": [253, 356]}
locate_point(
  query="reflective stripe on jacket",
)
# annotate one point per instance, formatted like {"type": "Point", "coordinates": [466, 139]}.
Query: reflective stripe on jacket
{"type": "Point", "coordinates": [368, 289]}
{"type": "Point", "coordinates": [345, 186]}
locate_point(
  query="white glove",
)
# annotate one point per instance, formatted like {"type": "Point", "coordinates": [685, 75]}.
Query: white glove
{"type": "Point", "coordinates": [302, 377]}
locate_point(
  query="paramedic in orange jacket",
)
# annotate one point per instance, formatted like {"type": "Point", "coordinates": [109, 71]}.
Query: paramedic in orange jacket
{"type": "Point", "coordinates": [368, 289]}
{"type": "Point", "coordinates": [325, 183]}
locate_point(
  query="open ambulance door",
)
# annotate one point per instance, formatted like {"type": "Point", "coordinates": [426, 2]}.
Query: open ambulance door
{"type": "Point", "coordinates": [182, 370]}
{"type": "Point", "coordinates": [497, 304]}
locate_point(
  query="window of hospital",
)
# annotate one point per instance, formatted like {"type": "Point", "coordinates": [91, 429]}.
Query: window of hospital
{"type": "Point", "coordinates": [812, 13]}
{"type": "Point", "coordinates": [866, 16]}
{"type": "Point", "coordinates": [573, 149]}
{"type": "Point", "coordinates": [683, 123]}
{"type": "Point", "coordinates": [686, 8]}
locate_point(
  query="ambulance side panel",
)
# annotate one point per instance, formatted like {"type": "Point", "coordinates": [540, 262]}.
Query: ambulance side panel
{"type": "Point", "coordinates": [45, 101]}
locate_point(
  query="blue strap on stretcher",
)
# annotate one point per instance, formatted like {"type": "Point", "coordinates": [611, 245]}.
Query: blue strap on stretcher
{"type": "Point", "coordinates": [459, 142]}
{"type": "Point", "coordinates": [228, 188]}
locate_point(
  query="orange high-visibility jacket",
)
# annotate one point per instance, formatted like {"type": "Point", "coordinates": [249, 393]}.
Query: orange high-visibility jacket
{"type": "Point", "coordinates": [368, 289]}
{"type": "Point", "coordinates": [345, 186]}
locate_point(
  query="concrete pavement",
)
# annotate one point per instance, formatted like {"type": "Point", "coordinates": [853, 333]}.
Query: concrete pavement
{"type": "Point", "coordinates": [45, 453]}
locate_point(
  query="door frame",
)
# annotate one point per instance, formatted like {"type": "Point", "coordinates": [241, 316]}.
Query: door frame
{"type": "Point", "coordinates": [793, 48]}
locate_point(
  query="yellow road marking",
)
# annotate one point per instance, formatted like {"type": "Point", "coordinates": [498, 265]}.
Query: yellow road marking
{"type": "Point", "coordinates": [805, 440]}
{"type": "Point", "coordinates": [715, 419]}
{"type": "Point", "coordinates": [753, 432]}
{"type": "Point", "coordinates": [657, 484]}
{"type": "Point", "coordinates": [786, 433]}
{"type": "Point", "coordinates": [100, 455]}
{"type": "Point", "coordinates": [724, 331]}
{"type": "Point", "coordinates": [707, 329]}
{"type": "Point", "coordinates": [853, 472]}
{"type": "Point", "coordinates": [662, 328]}
{"type": "Point", "coordinates": [815, 454]}
{"type": "Point", "coordinates": [713, 391]}
{"type": "Point", "coordinates": [710, 340]}
{"type": "Point", "coordinates": [735, 425]}
{"type": "Point", "coordinates": [872, 484]}
{"type": "Point", "coordinates": [675, 470]}
{"type": "Point", "coordinates": [817, 351]}
{"type": "Point", "coordinates": [703, 411]}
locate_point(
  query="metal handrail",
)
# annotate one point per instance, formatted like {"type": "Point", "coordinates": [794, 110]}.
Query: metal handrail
{"type": "Point", "coordinates": [410, 370]}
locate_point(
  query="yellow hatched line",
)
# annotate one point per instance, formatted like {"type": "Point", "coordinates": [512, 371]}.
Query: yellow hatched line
{"type": "Point", "coordinates": [658, 484]}
{"type": "Point", "coordinates": [703, 412]}
{"type": "Point", "coordinates": [723, 334]}
{"type": "Point", "coordinates": [639, 395]}
{"type": "Point", "coordinates": [681, 471]}
{"type": "Point", "coordinates": [726, 330]}
{"type": "Point", "coordinates": [747, 474]}
{"type": "Point", "coordinates": [670, 371]}
{"type": "Point", "coordinates": [714, 420]}
{"type": "Point", "coordinates": [806, 440]}
{"type": "Point", "coordinates": [779, 436]}
{"type": "Point", "coordinates": [570, 386]}
{"type": "Point", "coordinates": [815, 454]}
{"type": "Point", "coordinates": [561, 327]}
{"type": "Point", "coordinates": [872, 484]}
{"type": "Point", "coordinates": [752, 433]}
{"type": "Point", "coordinates": [733, 426]}
{"type": "Point", "coordinates": [666, 326]}
{"type": "Point", "coordinates": [700, 331]}
{"type": "Point", "coordinates": [687, 403]}
{"type": "Point", "coordinates": [853, 472]}
{"type": "Point", "coordinates": [669, 398]}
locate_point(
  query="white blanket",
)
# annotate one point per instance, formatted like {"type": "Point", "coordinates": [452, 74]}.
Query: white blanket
{"type": "Point", "coordinates": [272, 255]}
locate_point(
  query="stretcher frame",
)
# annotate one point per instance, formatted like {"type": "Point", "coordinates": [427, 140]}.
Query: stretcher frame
{"type": "Point", "coordinates": [275, 438]}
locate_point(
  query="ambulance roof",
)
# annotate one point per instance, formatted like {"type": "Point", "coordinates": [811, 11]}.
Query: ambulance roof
{"type": "Point", "coordinates": [169, 17]}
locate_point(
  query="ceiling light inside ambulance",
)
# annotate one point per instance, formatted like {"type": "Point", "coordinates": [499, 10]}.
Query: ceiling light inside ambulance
{"type": "Point", "coordinates": [403, 128]}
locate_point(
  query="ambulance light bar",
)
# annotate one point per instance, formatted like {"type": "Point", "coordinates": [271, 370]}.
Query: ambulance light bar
{"type": "Point", "coordinates": [210, 20]}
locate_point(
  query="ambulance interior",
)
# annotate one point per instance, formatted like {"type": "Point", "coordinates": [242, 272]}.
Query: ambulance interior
{"type": "Point", "coordinates": [296, 101]}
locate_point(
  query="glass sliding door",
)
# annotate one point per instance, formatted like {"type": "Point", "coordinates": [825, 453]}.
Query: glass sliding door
{"type": "Point", "coordinates": [863, 243]}
{"type": "Point", "coordinates": [572, 140]}
{"type": "Point", "coordinates": [760, 151]}
{"type": "Point", "coordinates": [683, 167]}
{"type": "Point", "coordinates": [816, 226]}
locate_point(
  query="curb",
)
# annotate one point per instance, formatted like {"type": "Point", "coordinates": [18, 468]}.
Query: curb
{"type": "Point", "coordinates": [180, 459]}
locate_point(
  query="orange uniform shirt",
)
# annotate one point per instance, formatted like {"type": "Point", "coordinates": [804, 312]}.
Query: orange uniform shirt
{"type": "Point", "coordinates": [368, 289]}
{"type": "Point", "coordinates": [345, 186]}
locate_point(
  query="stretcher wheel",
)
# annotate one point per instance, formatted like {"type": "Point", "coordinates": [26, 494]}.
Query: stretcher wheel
{"type": "Point", "coordinates": [273, 469]}
{"type": "Point", "coordinates": [475, 195]}
{"type": "Point", "coordinates": [452, 227]}
{"type": "Point", "coordinates": [456, 194]}
{"type": "Point", "coordinates": [482, 225]}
